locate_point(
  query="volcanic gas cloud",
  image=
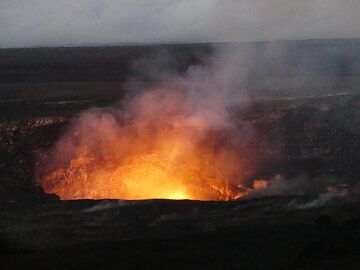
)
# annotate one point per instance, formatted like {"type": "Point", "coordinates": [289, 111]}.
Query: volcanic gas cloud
{"type": "Point", "coordinates": [172, 141]}
{"type": "Point", "coordinates": [160, 145]}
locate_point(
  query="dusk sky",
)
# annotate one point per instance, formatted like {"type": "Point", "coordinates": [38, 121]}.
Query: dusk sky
{"type": "Point", "coordinates": [81, 22]}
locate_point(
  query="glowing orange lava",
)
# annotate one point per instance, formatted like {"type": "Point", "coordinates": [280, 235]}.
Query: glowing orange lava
{"type": "Point", "coordinates": [160, 148]}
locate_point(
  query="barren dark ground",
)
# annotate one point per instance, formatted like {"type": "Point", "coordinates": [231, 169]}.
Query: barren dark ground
{"type": "Point", "coordinates": [257, 234]}
{"type": "Point", "coordinates": [42, 89]}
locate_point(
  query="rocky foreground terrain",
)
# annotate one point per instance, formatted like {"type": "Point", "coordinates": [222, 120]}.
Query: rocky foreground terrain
{"type": "Point", "coordinates": [267, 233]}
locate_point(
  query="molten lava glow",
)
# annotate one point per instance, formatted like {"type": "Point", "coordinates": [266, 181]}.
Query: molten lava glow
{"type": "Point", "coordinates": [260, 184]}
{"type": "Point", "coordinates": [159, 147]}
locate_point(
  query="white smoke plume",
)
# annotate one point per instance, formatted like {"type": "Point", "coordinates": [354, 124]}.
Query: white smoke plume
{"type": "Point", "coordinates": [327, 187]}
{"type": "Point", "coordinates": [181, 125]}
{"type": "Point", "coordinates": [194, 103]}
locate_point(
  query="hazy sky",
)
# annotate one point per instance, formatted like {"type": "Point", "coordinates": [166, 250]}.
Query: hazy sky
{"type": "Point", "coordinates": [75, 22]}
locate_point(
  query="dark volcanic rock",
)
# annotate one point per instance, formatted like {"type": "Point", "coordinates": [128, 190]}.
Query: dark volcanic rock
{"type": "Point", "coordinates": [253, 234]}
{"type": "Point", "coordinates": [323, 219]}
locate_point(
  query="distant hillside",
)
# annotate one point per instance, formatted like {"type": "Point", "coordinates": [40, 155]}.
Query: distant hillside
{"type": "Point", "coordinates": [283, 67]}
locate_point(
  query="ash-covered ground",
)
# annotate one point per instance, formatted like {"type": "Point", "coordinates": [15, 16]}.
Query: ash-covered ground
{"type": "Point", "coordinates": [311, 141]}
{"type": "Point", "coordinates": [267, 233]}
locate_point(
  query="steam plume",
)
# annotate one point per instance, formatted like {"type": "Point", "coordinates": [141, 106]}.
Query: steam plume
{"type": "Point", "coordinates": [174, 140]}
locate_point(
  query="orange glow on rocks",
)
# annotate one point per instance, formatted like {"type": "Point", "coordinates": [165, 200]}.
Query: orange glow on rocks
{"type": "Point", "coordinates": [158, 146]}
